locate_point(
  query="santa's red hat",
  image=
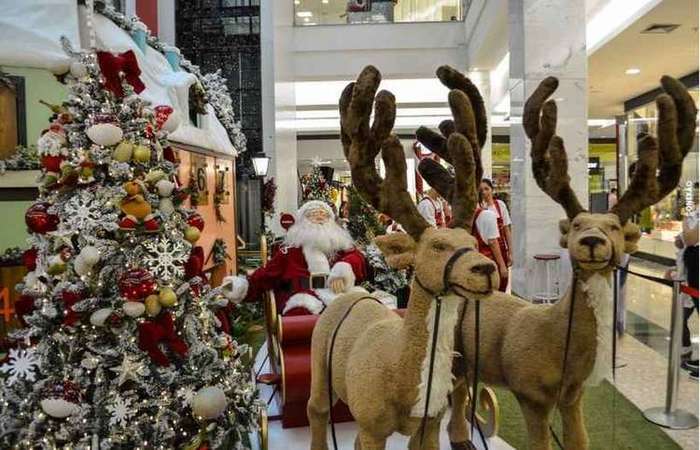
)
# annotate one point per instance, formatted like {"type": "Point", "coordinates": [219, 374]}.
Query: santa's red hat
{"type": "Point", "coordinates": [312, 205]}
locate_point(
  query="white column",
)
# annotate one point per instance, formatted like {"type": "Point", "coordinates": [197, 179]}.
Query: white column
{"type": "Point", "coordinates": [166, 21]}
{"type": "Point", "coordinates": [547, 37]}
{"type": "Point", "coordinates": [278, 103]}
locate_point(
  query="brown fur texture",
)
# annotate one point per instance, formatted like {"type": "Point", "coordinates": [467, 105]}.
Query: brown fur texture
{"type": "Point", "coordinates": [379, 361]}
{"type": "Point", "coordinates": [522, 345]}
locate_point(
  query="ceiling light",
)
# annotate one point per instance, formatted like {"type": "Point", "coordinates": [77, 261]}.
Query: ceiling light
{"type": "Point", "coordinates": [296, 2]}
{"type": "Point", "coordinates": [660, 28]}
{"type": "Point", "coordinates": [304, 14]}
{"type": "Point", "coordinates": [633, 71]}
{"type": "Point", "coordinates": [325, 2]}
{"type": "Point", "coordinates": [306, 19]}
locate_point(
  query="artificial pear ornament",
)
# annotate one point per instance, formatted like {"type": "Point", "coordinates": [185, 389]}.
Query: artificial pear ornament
{"type": "Point", "coordinates": [142, 153]}
{"type": "Point", "coordinates": [123, 152]}
{"type": "Point", "coordinates": [152, 304]}
{"type": "Point", "coordinates": [192, 234]}
{"type": "Point", "coordinates": [167, 297]}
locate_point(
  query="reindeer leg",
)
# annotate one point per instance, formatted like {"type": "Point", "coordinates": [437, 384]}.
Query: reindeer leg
{"type": "Point", "coordinates": [317, 409]}
{"type": "Point", "coordinates": [457, 426]}
{"type": "Point", "coordinates": [431, 440]}
{"type": "Point", "coordinates": [571, 410]}
{"type": "Point", "coordinates": [371, 442]}
{"type": "Point", "coordinates": [536, 416]}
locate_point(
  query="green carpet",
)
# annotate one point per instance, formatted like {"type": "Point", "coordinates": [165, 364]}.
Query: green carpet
{"type": "Point", "coordinates": [625, 429]}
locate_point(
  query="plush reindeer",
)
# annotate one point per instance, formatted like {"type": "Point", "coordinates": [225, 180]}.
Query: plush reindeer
{"type": "Point", "coordinates": [380, 363]}
{"type": "Point", "coordinates": [523, 345]}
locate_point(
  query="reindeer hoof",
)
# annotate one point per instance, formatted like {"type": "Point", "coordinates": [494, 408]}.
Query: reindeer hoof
{"type": "Point", "coordinates": [462, 445]}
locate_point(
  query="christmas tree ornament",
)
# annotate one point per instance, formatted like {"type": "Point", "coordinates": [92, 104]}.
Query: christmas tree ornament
{"type": "Point", "coordinates": [78, 69]}
{"type": "Point", "coordinates": [60, 399]}
{"type": "Point", "coordinates": [87, 170]}
{"type": "Point", "coordinates": [29, 258]}
{"type": "Point", "coordinates": [133, 309]}
{"type": "Point", "coordinates": [151, 224]}
{"type": "Point", "coordinates": [195, 263]}
{"type": "Point", "coordinates": [209, 402]}
{"type": "Point", "coordinates": [90, 255]}
{"type": "Point", "coordinates": [39, 220]}
{"type": "Point", "coordinates": [99, 317]}
{"type": "Point", "coordinates": [22, 365]}
{"type": "Point", "coordinates": [167, 297]}
{"type": "Point", "coordinates": [134, 206]}
{"type": "Point", "coordinates": [166, 257]}
{"type": "Point", "coordinates": [196, 220]}
{"type": "Point", "coordinates": [152, 304]}
{"type": "Point", "coordinates": [165, 190]}
{"type": "Point", "coordinates": [130, 369]}
{"type": "Point", "coordinates": [123, 151]}
{"type": "Point", "coordinates": [192, 234]}
{"type": "Point", "coordinates": [142, 153]}
{"type": "Point", "coordinates": [104, 131]}
{"type": "Point", "coordinates": [157, 335]}
{"type": "Point", "coordinates": [114, 67]}
{"type": "Point", "coordinates": [70, 298]}
{"type": "Point", "coordinates": [169, 155]}
{"type": "Point", "coordinates": [135, 284]}
{"type": "Point", "coordinates": [52, 163]}
{"type": "Point", "coordinates": [120, 411]}
{"type": "Point", "coordinates": [167, 119]}
{"type": "Point", "coordinates": [51, 143]}
{"type": "Point", "coordinates": [154, 176]}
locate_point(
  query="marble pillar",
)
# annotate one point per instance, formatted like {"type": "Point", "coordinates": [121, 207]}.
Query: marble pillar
{"type": "Point", "coordinates": [547, 37]}
{"type": "Point", "coordinates": [279, 104]}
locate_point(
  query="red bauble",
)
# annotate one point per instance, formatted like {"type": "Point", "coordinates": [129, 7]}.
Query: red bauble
{"type": "Point", "coordinates": [196, 220]}
{"type": "Point", "coordinates": [169, 155]}
{"type": "Point", "coordinates": [29, 258]}
{"type": "Point", "coordinates": [24, 306]}
{"type": "Point", "coordinates": [39, 220]}
{"type": "Point", "coordinates": [136, 284]}
{"type": "Point", "coordinates": [52, 163]}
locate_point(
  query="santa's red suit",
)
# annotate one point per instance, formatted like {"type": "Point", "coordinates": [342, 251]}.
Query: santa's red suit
{"type": "Point", "coordinates": [301, 272]}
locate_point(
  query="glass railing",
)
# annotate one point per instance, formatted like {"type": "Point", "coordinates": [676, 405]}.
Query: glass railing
{"type": "Point", "coordinates": [337, 12]}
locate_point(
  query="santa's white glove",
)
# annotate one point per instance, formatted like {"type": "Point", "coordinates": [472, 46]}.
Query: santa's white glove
{"type": "Point", "coordinates": [341, 277]}
{"type": "Point", "coordinates": [235, 288]}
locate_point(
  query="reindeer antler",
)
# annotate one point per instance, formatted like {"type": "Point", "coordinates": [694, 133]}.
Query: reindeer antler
{"type": "Point", "coordinates": [362, 143]}
{"type": "Point", "coordinates": [549, 163]}
{"type": "Point", "coordinates": [676, 132]}
{"type": "Point", "coordinates": [459, 144]}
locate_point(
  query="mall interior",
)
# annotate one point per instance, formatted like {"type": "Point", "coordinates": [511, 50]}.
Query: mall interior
{"type": "Point", "coordinates": [196, 217]}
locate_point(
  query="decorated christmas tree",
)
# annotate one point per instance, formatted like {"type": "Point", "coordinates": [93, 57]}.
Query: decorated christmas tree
{"type": "Point", "coordinates": [364, 223]}
{"type": "Point", "coordinates": [316, 187]}
{"type": "Point", "coordinates": [122, 345]}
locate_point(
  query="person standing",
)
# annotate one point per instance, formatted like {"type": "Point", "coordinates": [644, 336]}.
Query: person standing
{"type": "Point", "coordinates": [430, 208]}
{"type": "Point", "coordinates": [612, 198]}
{"type": "Point", "coordinates": [498, 207]}
{"type": "Point", "coordinates": [485, 230]}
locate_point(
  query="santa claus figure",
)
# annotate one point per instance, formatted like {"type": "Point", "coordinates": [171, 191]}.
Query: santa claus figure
{"type": "Point", "coordinates": [317, 262]}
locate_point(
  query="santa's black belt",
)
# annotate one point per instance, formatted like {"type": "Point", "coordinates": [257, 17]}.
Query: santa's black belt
{"type": "Point", "coordinates": [313, 281]}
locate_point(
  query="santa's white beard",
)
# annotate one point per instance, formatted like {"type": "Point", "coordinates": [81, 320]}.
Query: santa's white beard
{"type": "Point", "coordinates": [327, 238]}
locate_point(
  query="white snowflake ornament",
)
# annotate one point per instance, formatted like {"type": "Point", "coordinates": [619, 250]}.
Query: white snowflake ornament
{"type": "Point", "coordinates": [165, 258]}
{"type": "Point", "coordinates": [22, 365]}
{"type": "Point", "coordinates": [120, 411]}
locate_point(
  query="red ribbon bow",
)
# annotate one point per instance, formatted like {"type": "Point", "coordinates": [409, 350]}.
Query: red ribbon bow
{"type": "Point", "coordinates": [160, 330]}
{"type": "Point", "coordinates": [114, 66]}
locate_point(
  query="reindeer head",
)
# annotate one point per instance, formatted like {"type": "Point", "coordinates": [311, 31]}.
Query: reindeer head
{"type": "Point", "coordinates": [596, 242]}
{"type": "Point", "coordinates": [429, 250]}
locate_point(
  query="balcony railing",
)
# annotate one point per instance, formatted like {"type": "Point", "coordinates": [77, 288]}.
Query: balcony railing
{"type": "Point", "coordinates": [337, 12]}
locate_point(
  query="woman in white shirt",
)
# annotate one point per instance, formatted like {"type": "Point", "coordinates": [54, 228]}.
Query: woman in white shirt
{"type": "Point", "coordinates": [485, 230]}
{"type": "Point", "coordinates": [498, 207]}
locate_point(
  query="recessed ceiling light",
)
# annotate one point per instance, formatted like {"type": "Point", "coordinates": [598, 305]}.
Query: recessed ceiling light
{"type": "Point", "coordinates": [304, 14]}
{"type": "Point", "coordinates": [633, 71]}
{"type": "Point", "coordinates": [306, 19]}
{"type": "Point", "coordinates": [296, 2]}
{"type": "Point", "coordinates": [324, 2]}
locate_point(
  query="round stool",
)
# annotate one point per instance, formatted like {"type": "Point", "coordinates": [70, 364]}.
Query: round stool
{"type": "Point", "coordinates": [546, 279]}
